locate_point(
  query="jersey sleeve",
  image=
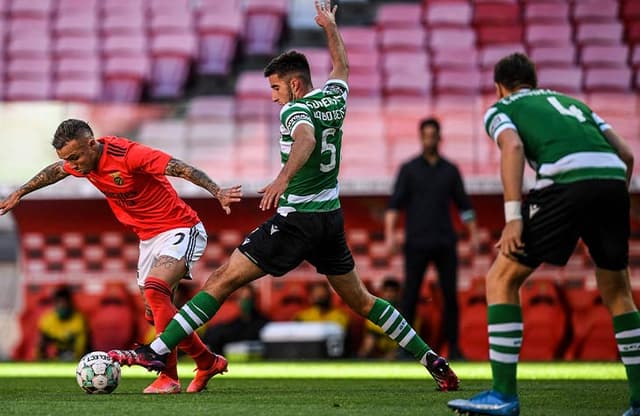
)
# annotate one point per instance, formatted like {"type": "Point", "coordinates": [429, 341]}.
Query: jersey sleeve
{"type": "Point", "coordinates": [496, 121]}
{"type": "Point", "coordinates": [294, 114]}
{"type": "Point", "coordinates": [336, 87]}
{"type": "Point", "coordinates": [602, 125]}
{"type": "Point", "coordinates": [141, 158]}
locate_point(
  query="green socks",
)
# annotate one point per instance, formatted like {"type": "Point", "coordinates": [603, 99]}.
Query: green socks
{"type": "Point", "coordinates": [190, 317]}
{"type": "Point", "coordinates": [396, 327]}
{"type": "Point", "coordinates": [505, 339]}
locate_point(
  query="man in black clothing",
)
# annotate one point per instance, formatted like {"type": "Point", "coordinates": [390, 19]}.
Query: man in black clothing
{"type": "Point", "coordinates": [424, 188]}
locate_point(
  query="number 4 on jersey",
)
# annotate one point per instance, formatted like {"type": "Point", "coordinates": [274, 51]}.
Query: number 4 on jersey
{"type": "Point", "coordinates": [572, 111]}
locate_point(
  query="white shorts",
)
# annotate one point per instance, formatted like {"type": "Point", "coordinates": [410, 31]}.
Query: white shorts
{"type": "Point", "coordinates": [187, 243]}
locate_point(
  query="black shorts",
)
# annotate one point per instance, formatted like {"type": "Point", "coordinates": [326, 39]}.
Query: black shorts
{"type": "Point", "coordinates": [595, 210]}
{"type": "Point", "coordinates": [281, 243]}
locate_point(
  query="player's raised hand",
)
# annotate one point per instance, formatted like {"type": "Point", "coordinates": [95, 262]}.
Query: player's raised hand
{"type": "Point", "coordinates": [271, 193]}
{"type": "Point", "coordinates": [227, 196]}
{"type": "Point", "coordinates": [7, 204]}
{"type": "Point", "coordinates": [325, 14]}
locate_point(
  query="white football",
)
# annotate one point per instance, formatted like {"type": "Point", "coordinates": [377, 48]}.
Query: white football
{"type": "Point", "coordinates": [97, 373]}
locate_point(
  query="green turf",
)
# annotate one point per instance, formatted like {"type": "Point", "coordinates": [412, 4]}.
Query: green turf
{"type": "Point", "coordinates": [314, 388]}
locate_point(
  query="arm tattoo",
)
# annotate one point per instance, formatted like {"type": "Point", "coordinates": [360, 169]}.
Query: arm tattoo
{"type": "Point", "coordinates": [182, 170]}
{"type": "Point", "coordinates": [47, 176]}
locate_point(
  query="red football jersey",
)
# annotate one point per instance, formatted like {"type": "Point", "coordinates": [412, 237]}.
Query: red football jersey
{"type": "Point", "coordinates": [132, 178]}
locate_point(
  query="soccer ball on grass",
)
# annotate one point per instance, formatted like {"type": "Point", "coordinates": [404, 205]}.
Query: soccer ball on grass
{"type": "Point", "coordinates": [97, 373]}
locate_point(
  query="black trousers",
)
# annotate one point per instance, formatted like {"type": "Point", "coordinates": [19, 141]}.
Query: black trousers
{"type": "Point", "coordinates": [445, 259]}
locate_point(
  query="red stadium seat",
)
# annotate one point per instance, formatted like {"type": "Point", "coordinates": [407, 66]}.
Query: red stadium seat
{"type": "Point", "coordinates": [171, 60]}
{"type": "Point", "coordinates": [218, 34]}
{"type": "Point", "coordinates": [634, 59]}
{"type": "Point", "coordinates": [398, 84]}
{"type": "Point", "coordinates": [555, 34]}
{"type": "Point", "coordinates": [28, 90]}
{"type": "Point", "coordinates": [413, 38]}
{"type": "Point", "coordinates": [220, 6]}
{"type": "Point", "coordinates": [252, 84]}
{"type": "Point", "coordinates": [592, 327]}
{"type": "Point", "coordinates": [633, 32]}
{"type": "Point", "coordinates": [546, 12]}
{"type": "Point", "coordinates": [263, 25]}
{"type": "Point", "coordinates": [29, 47]}
{"type": "Point", "coordinates": [123, 7]}
{"type": "Point", "coordinates": [604, 56]}
{"type": "Point", "coordinates": [545, 320]}
{"type": "Point", "coordinates": [219, 107]}
{"type": "Point", "coordinates": [362, 62]}
{"type": "Point", "coordinates": [179, 22]}
{"type": "Point", "coordinates": [567, 80]}
{"type": "Point", "coordinates": [124, 78]}
{"type": "Point", "coordinates": [496, 13]}
{"type": "Point", "coordinates": [405, 62]}
{"type": "Point", "coordinates": [76, 24]}
{"type": "Point", "coordinates": [25, 68]}
{"type": "Point", "coordinates": [360, 39]}
{"type": "Point", "coordinates": [125, 45]}
{"type": "Point", "coordinates": [68, 7]}
{"type": "Point", "coordinates": [401, 15]}
{"type": "Point", "coordinates": [365, 85]}
{"type": "Point", "coordinates": [448, 13]}
{"type": "Point", "coordinates": [553, 56]}
{"type": "Point", "coordinates": [443, 39]}
{"type": "Point", "coordinates": [459, 58]}
{"type": "Point", "coordinates": [27, 27]}
{"type": "Point", "coordinates": [490, 34]}
{"type": "Point", "coordinates": [607, 79]}
{"type": "Point", "coordinates": [130, 22]}
{"type": "Point", "coordinates": [599, 33]}
{"type": "Point", "coordinates": [79, 68]}
{"type": "Point", "coordinates": [75, 89]}
{"type": "Point", "coordinates": [457, 81]}
{"type": "Point", "coordinates": [75, 46]}
{"type": "Point", "coordinates": [630, 10]}
{"type": "Point", "coordinates": [31, 8]}
{"type": "Point", "coordinates": [595, 11]}
{"type": "Point", "coordinates": [474, 344]}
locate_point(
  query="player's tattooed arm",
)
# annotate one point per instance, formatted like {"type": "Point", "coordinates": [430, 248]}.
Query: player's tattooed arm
{"type": "Point", "coordinates": [183, 170]}
{"type": "Point", "coordinates": [47, 176]}
{"type": "Point", "coordinates": [180, 169]}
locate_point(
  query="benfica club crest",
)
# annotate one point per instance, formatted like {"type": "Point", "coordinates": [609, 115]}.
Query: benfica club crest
{"type": "Point", "coordinates": [117, 179]}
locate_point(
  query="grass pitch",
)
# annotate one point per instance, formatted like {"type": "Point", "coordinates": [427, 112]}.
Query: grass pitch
{"type": "Point", "coordinates": [314, 388]}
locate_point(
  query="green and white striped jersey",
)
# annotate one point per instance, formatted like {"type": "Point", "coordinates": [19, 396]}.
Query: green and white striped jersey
{"type": "Point", "coordinates": [314, 188]}
{"type": "Point", "coordinates": [562, 136]}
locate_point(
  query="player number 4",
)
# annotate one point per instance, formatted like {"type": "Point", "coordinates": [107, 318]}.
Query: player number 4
{"type": "Point", "coordinates": [572, 111]}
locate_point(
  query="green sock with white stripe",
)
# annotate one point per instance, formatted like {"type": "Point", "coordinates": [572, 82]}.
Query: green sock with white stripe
{"type": "Point", "coordinates": [396, 327]}
{"type": "Point", "coordinates": [627, 329]}
{"type": "Point", "coordinates": [505, 339]}
{"type": "Point", "coordinates": [190, 317]}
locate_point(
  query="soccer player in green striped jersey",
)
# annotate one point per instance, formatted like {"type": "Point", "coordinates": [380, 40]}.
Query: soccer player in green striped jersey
{"type": "Point", "coordinates": [583, 170]}
{"type": "Point", "coordinates": [309, 224]}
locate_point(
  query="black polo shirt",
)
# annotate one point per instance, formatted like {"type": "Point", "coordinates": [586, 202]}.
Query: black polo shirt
{"type": "Point", "coordinates": [425, 192]}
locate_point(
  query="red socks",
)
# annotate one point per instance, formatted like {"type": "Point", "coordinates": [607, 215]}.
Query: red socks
{"type": "Point", "coordinates": [158, 296]}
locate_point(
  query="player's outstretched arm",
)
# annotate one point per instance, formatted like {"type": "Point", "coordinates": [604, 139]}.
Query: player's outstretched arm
{"type": "Point", "coordinates": [47, 176]}
{"type": "Point", "coordinates": [326, 19]}
{"type": "Point", "coordinates": [226, 196]}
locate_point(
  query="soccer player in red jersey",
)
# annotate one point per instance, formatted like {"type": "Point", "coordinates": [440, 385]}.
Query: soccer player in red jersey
{"type": "Point", "coordinates": [133, 178]}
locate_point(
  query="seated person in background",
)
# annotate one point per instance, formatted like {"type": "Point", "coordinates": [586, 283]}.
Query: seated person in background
{"type": "Point", "coordinates": [63, 331]}
{"type": "Point", "coordinates": [245, 327]}
{"type": "Point", "coordinates": [375, 344]}
{"type": "Point", "coordinates": [321, 309]}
